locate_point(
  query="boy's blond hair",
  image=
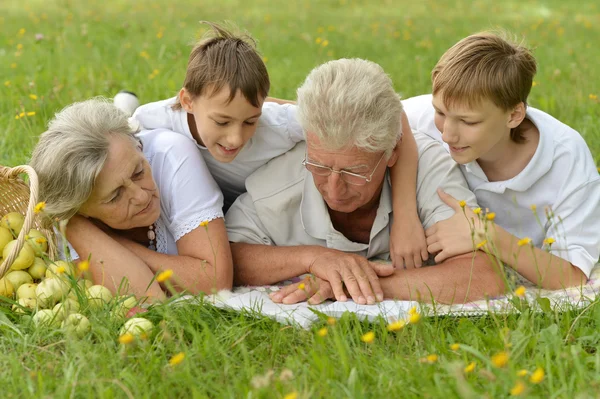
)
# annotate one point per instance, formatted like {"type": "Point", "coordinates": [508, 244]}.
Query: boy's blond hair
{"type": "Point", "coordinates": [486, 65]}
{"type": "Point", "coordinates": [222, 58]}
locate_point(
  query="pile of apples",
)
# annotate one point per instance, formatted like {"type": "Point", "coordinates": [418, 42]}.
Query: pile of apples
{"type": "Point", "coordinates": [51, 290]}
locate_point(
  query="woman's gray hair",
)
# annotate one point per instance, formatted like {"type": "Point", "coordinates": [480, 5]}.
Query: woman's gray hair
{"type": "Point", "coordinates": [351, 102]}
{"type": "Point", "coordinates": [71, 153]}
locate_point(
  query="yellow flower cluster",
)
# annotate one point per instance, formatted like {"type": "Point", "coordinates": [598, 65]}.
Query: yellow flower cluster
{"type": "Point", "coordinates": [164, 276]}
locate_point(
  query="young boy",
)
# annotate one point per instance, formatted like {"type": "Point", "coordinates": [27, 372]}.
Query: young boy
{"type": "Point", "coordinates": [533, 172]}
{"type": "Point", "coordinates": [221, 108]}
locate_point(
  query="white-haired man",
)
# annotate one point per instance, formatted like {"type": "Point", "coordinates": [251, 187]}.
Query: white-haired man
{"type": "Point", "coordinates": [325, 207]}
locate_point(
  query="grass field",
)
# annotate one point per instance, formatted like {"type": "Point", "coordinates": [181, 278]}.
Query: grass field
{"type": "Point", "coordinates": [54, 52]}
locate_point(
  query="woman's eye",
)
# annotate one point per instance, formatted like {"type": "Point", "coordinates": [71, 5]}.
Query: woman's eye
{"type": "Point", "coordinates": [139, 174]}
{"type": "Point", "coordinates": [116, 197]}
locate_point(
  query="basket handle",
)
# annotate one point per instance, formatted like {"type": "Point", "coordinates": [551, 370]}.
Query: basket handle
{"type": "Point", "coordinates": [29, 217]}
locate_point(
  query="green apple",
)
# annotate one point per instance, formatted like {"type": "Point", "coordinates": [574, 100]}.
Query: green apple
{"type": "Point", "coordinates": [6, 288]}
{"type": "Point", "coordinates": [27, 291]}
{"type": "Point", "coordinates": [18, 278]}
{"type": "Point", "coordinates": [5, 237]}
{"type": "Point", "coordinates": [38, 242]}
{"type": "Point", "coordinates": [137, 326]}
{"type": "Point", "coordinates": [13, 221]}
{"type": "Point", "coordinates": [38, 269]}
{"type": "Point", "coordinates": [50, 291]}
{"type": "Point", "coordinates": [98, 295]}
{"type": "Point", "coordinates": [24, 258]}
{"type": "Point", "coordinates": [124, 305]}
{"type": "Point", "coordinates": [65, 308]}
{"type": "Point", "coordinates": [76, 325]}
{"type": "Point", "coordinates": [24, 303]}
{"type": "Point", "coordinates": [45, 317]}
{"type": "Point", "coordinates": [59, 268]}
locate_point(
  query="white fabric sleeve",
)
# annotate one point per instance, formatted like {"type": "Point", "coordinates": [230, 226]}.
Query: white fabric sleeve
{"type": "Point", "coordinates": [243, 223]}
{"type": "Point", "coordinates": [294, 130]}
{"type": "Point", "coordinates": [188, 192]}
{"type": "Point", "coordinates": [437, 169]}
{"type": "Point", "coordinates": [574, 225]}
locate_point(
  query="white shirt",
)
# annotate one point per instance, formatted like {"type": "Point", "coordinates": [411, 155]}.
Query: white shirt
{"type": "Point", "coordinates": [277, 132]}
{"type": "Point", "coordinates": [188, 193]}
{"type": "Point", "coordinates": [561, 177]}
{"type": "Point", "coordinates": [284, 207]}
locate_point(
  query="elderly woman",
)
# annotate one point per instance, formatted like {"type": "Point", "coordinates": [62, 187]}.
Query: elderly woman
{"type": "Point", "coordinates": [137, 204]}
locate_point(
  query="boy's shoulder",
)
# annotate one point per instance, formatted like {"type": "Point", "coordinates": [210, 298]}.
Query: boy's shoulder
{"type": "Point", "coordinates": [156, 114]}
{"type": "Point", "coordinates": [562, 136]}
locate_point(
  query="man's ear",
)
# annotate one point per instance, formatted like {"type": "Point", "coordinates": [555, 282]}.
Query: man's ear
{"type": "Point", "coordinates": [394, 157]}
{"type": "Point", "coordinates": [185, 99]}
{"type": "Point", "coordinates": [517, 115]}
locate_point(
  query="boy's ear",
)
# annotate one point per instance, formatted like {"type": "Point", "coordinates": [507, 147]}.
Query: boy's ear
{"type": "Point", "coordinates": [517, 115]}
{"type": "Point", "coordinates": [185, 99]}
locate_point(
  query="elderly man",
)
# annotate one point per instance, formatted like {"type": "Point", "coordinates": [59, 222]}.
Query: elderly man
{"type": "Point", "coordinates": [325, 207]}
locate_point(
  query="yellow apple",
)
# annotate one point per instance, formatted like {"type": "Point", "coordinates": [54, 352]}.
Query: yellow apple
{"type": "Point", "coordinates": [5, 237]}
{"type": "Point", "coordinates": [45, 317]}
{"type": "Point", "coordinates": [24, 258]}
{"type": "Point", "coordinates": [50, 291]}
{"type": "Point", "coordinates": [38, 269]}
{"type": "Point", "coordinates": [18, 278]}
{"type": "Point", "coordinates": [65, 308]}
{"type": "Point", "coordinates": [38, 242]}
{"type": "Point", "coordinates": [76, 325]}
{"type": "Point", "coordinates": [124, 305]}
{"type": "Point", "coordinates": [27, 291]}
{"type": "Point", "coordinates": [137, 326]}
{"type": "Point", "coordinates": [98, 295]}
{"type": "Point", "coordinates": [13, 221]}
{"type": "Point", "coordinates": [24, 303]}
{"type": "Point", "coordinates": [6, 288]}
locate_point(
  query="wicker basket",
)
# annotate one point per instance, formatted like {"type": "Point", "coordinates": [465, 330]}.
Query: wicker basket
{"type": "Point", "coordinates": [18, 196]}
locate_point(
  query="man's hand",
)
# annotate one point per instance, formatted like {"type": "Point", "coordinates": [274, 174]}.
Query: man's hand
{"type": "Point", "coordinates": [457, 235]}
{"type": "Point", "coordinates": [408, 247]}
{"type": "Point", "coordinates": [311, 288]}
{"type": "Point", "coordinates": [359, 275]}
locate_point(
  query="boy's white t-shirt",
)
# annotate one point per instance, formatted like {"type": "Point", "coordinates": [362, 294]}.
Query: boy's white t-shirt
{"type": "Point", "coordinates": [277, 132]}
{"type": "Point", "coordinates": [561, 180]}
{"type": "Point", "coordinates": [188, 193]}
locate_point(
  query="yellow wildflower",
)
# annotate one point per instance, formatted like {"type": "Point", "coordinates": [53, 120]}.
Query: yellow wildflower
{"type": "Point", "coordinates": [520, 291]}
{"type": "Point", "coordinates": [19, 46]}
{"type": "Point", "coordinates": [593, 97]}
{"type": "Point", "coordinates": [412, 310]}
{"type": "Point", "coordinates": [204, 223]}
{"type": "Point", "coordinates": [33, 97]}
{"type": "Point", "coordinates": [481, 244]}
{"type": "Point", "coordinates": [537, 376]}
{"type": "Point", "coordinates": [490, 216]}
{"type": "Point", "coordinates": [31, 113]}
{"type": "Point", "coordinates": [144, 54]}
{"type": "Point", "coordinates": [414, 318]}
{"type": "Point", "coordinates": [164, 276]}
{"type": "Point", "coordinates": [60, 270]}
{"type": "Point", "coordinates": [518, 389]}
{"type": "Point", "coordinates": [291, 395]}
{"type": "Point", "coordinates": [17, 117]}
{"type": "Point", "coordinates": [523, 241]}
{"type": "Point", "coordinates": [331, 321]}
{"type": "Point", "coordinates": [39, 207]}
{"type": "Point", "coordinates": [432, 358]}
{"type": "Point", "coordinates": [322, 332]}
{"type": "Point", "coordinates": [455, 347]}
{"type": "Point", "coordinates": [325, 43]}
{"type": "Point", "coordinates": [176, 359]}
{"type": "Point", "coordinates": [477, 211]}
{"type": "Point", "coordinates": [522, 373]}
{"type": "Point", "coordinates": [40, 240]}
{"type": "Point", "coordinates": [301, 286]}
{"type": "Point", "coordinates": [396, 326]}
{"type": "Point", "coordinates": [83, 266]}
{"type": "Point", "coordinates": [500, 359]}
{"type": "Point", "coordinates": [126, 339]}
{"type": "Point", "coordinates": [21, 31]}
{"type": "Point", "coordinates": [469, 368]}
{"type": "Point", "coordinates": [368, 337]}
{"type": "Point", "coordinates": [13, 65]}
{"type": "Point", "coordinates": [462, 203]}
{"type": "Point", "coordinates": [318, 40]}
{"type": "Point", "coordinates": [22, 115]}
{"type": "Point", "coordinates": [7, 83]}
{"type": "Point", "coordinates": [533, 207]}
{"type": "Point", "coordinates": [534, 83]}
{"type": "Point", "coordinates": [549, 241]}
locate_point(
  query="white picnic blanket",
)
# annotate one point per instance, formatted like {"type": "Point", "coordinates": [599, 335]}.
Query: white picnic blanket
{"type": "Point", "coordinates": [255, 300]}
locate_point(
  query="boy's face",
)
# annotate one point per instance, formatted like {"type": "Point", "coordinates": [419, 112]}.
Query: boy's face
{"type": "Point", "coordinates": [222, 127]}
{"type": "Point", "coordinates": [474, 132]}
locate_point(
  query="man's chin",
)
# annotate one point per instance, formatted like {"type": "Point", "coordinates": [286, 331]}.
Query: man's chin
{"type": "Point", "coordinates": [341, 206]}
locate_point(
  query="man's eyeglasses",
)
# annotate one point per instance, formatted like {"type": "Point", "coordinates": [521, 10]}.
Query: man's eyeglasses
{"type": "Point", "coordinates": [348, 177]}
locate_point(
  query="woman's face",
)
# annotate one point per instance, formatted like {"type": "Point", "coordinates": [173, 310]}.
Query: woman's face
{"type": "Point", "coordinates": [125, 195]}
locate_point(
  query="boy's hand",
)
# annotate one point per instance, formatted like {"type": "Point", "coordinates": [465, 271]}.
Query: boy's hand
{"type": "Point", "coordinates": [454, 236]}
{"type": "Point", "coordinates": [408, 246]}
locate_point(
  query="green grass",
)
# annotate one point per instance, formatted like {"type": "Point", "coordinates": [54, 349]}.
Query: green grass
{"type": "Point", "coordinates": [99, 47]}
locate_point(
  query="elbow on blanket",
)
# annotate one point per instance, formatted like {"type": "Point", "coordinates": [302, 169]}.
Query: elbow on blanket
{"type": "Point", "coordinates": [573, 277]}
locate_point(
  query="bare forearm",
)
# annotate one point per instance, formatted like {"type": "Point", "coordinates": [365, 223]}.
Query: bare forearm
{"type": "Point", "coordinates": [256, 264]}
{"type": "Point", "coordinates": [542, 268]}
{"type": "Point", "coordinates": [460, 279]}
{"type": "Point", "coordinates": [189, 274]}
{"type": "Point", "coordinates": [404, 174]}
{"type": "Point", "coordinates": [280, 101]}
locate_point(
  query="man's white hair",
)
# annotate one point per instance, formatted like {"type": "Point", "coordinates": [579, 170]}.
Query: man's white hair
{"type": "Point", "coordinates": [71, 153]}
{"type": "Point", "coordinates": [351, 102]}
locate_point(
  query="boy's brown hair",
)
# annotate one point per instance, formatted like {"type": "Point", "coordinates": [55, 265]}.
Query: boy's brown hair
{"type": "Point", "coordinates": [486, 65]}
{"type": "Point", "coordinates": [222, 58]}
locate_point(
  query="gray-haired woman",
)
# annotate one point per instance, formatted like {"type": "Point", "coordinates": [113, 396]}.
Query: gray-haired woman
{"type": "Point", "coordinates": [137, 203]}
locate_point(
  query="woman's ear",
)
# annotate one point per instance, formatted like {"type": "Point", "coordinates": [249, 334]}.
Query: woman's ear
{"type": "Point", "coordinates": [185, 99]}
{"type": "Point", "coordinates": [517, 115]}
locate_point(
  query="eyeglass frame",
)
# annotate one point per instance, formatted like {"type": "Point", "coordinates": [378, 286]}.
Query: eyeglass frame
{"type": "Point", "coordinates": [367, 179]}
